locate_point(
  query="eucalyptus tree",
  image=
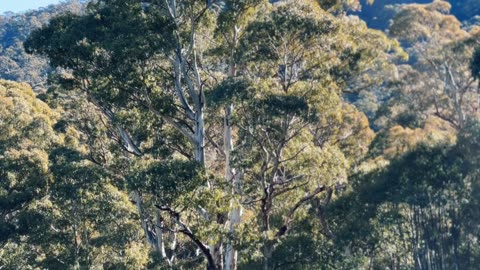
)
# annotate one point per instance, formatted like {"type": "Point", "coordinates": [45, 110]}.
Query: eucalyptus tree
{"type": "Point", "coordinates": [295, 61]}
{"type": "Point", "coordinates": [232, 21]}
{"type": "Point", "coordinates": [416, 213]}
{"type": "Point", "coordinates": [26, 137]}
{"type": "Point", "coordinates": [127, 54]}
{"type": "Point", "coordinates": [59, 208]}
{"type": "Point", "coordinates": [150, 67]}
{"type": "Point", "coordinates": [440, 46]}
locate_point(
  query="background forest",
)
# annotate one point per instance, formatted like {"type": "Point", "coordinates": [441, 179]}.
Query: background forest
{"type": "Point", "coordinates": [241, 134]}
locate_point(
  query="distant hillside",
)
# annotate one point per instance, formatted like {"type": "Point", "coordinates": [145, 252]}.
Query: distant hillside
{"type": "Point", "coordinates": [378, 14]}
{"type": "Point", "coordinates": [15, 64]}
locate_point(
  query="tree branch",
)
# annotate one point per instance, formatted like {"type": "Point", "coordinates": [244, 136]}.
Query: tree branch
{"type": "Point", "coordinates": [288, 219]}
{"type": "Point", "coordinates": [184, 229]}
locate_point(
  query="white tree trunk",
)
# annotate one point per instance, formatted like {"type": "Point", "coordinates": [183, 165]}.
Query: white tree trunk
{"type": "Point", "coordinates": [160, 242]}
{"type": "Point", "coordinates": [231, 175]}
{"type": "Point", "coordinates": [199, 135]}
{"type": "Point", "coordinates": [151, 241]}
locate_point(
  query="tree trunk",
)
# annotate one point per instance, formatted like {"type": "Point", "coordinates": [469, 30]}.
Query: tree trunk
{"type": "Point", "coordinates": [459, 111]}
{"type": "Point", "coordinates": [455, 232]}
{"type": "Point", "coordinates": [199, 134]}
{"type": "Point", "coordinates": [76, 264]}
{"type": "Point", "coordinates": [267, 254]}
{"type": "Point", "coordinates": [160, 245]}
{"type": "Point", "coordinates": [267, 245]}
{"type": "Point", "coordinates": [231, 174]}
{"type": "Point", "coordinates": [235, 178]}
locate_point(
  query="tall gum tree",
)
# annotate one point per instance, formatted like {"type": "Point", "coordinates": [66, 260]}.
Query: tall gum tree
{"type": "Point", "coordinates": [158, 71]}
{"type": "Point", "coordinates": [119, 69]}
{"type": "Point", "coordinates": [145, 66]}
{"type": "Point", "coordinates": [440, 46]}
{"type": "Point", "coordinates": [415, 212]}
{"type": "Point", "coordinates": [288, 82]}
{"type": "Point", "coordinates": [59, 208]}
{"type": "Point", "coordinates": [27, 135]}
{"type": "Point", "coordinates": [232, 20]}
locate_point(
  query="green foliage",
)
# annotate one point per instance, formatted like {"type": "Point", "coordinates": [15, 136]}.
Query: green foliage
{"type": "Point", "coordinates": [231, 90]}
{"type": "Point", "coordinates": [422, 193]}
{"type": "Point", "coordinates": [442, 50]}
{"type": "Point", "coordinates": [107, 42]}
{"type": "Point", "coordinates": [57, 207]}
{"type": "Point", "coordinates": [168, 180]}
{"type": "Point", "coordinates": [111, 177]}
{"type": "Point", "coordinates": [26, 138]}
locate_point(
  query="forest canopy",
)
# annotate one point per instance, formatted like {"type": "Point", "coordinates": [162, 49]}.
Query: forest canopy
{"type": "Point", "coordinates": [240, 134]}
